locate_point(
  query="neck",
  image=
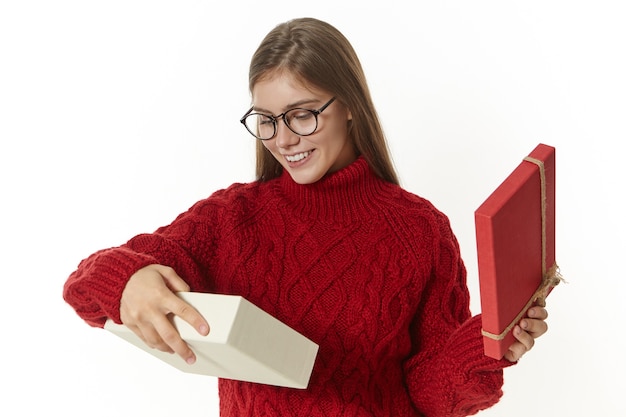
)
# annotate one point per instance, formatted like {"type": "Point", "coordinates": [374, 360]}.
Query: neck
{"type": "Point", "coordinates": [345, 195]}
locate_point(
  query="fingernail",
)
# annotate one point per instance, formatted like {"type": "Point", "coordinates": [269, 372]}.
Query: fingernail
{"type": "Point", "coordinates": [531, 313]}
{"type": "Point", "coordinates": [524, 324]}
{"type": "Point", "coordinates": [204, 329]}
{"type": "Point", "coordinates": [191, 360]}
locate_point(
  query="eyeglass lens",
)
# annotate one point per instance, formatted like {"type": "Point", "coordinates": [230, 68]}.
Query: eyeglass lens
{"type": "Point", "coordinates": [300, 121]}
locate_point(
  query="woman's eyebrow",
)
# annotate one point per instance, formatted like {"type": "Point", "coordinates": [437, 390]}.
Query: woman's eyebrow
{"type": "Point", "coordinates": [289, 106]}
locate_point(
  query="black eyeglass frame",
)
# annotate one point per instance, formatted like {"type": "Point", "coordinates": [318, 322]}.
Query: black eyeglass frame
{"type": "Point", "coordinates": [275, 119]}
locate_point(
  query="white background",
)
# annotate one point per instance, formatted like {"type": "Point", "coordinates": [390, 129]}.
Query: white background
{"type": "Point", "coordinates": [116, 116]}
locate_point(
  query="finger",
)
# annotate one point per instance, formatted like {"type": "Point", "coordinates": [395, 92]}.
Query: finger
{"type": "Point", "coordinates": [151, 338]}
{"type": "Point", "coordinates": [170, 336]}
{"type": "Point", "coordinates": [174, 282]}
{"type": "Point", "coordinates": [189, 314]}
{"type": "Point", "coordinates": [524, 338]}
{"type": "Point", "coordinates": [537, 312]}
{"type": "Point", "coordinates": [515, 352]}
{"type": "Point", "coordinates": [524, 343]}
{"type": "Point", "coordinates": [535, 328]}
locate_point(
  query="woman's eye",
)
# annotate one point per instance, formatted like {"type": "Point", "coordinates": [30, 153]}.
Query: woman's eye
{"type": "Point", "coordinates": [301, 115]}
{"type": "Point", "coordinates": [263, 120]}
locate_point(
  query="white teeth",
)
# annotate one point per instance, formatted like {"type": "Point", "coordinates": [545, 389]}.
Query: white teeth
{"type": "Point", "coordinates": [297, 157]}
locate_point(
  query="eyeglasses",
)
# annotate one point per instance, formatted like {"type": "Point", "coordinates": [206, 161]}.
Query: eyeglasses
{"type": "Point", "coordinates": [302, 122]}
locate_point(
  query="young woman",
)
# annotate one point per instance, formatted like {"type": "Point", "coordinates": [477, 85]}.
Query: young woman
{"type": "Point", "coordinates": [324, 240]}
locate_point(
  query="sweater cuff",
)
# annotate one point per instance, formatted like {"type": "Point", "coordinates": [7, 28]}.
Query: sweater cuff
{"type": "Point", "coordinates": [469, 353]}
{"type": "Point", "coordinates": [95, 288]}
{"type": "Point", "coordinates": [478, 380]}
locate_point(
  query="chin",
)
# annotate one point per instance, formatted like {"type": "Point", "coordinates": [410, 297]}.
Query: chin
{"type": "Point", "coordinates": [304, 178]}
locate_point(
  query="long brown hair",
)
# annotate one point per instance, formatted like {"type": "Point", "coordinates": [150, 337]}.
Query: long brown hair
{"type": "Point", "coordinates": [318, 54]}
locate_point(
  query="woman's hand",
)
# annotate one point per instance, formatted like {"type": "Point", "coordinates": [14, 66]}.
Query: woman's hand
{"type": "Point", "coordinates": [529, 328]}
{"type": "Point", "coordinates": [147, 301]}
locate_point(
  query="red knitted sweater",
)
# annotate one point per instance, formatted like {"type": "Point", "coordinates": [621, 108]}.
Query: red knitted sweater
{"type": "Point", "coordinates": [365, 269]}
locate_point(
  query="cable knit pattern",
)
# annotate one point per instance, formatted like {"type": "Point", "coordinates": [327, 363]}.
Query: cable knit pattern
{"type": "Point", "coordinates": [368, 271]}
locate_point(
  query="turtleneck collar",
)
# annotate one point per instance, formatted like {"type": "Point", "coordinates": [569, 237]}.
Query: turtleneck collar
{"type": "Point", "coordinates": [350, 193]}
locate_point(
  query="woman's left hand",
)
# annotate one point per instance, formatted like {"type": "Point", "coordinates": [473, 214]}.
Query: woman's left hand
{"type": "Point", "coordinates": [529, 328]}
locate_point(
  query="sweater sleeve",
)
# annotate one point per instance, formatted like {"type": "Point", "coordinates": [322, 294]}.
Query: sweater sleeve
{"type": "Point", "coordinates": [448, 373]}
{"type": "Point", "coordinates": [95, 288]}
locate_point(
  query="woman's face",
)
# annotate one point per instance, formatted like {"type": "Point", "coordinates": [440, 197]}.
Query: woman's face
{"type": "Point", "coordinates": [306, 158]}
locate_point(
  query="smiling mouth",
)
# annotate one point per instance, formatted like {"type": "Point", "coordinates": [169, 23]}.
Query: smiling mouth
{"type": "Point", "coordinates": [297, 157]}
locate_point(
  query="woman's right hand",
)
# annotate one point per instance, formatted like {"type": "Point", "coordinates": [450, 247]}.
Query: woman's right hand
{"type": "Point", "coordinates": [147, 301]}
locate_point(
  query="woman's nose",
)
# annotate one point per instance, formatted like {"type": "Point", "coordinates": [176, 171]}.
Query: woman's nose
{"type": "Point", "coordinates": [284, 136]}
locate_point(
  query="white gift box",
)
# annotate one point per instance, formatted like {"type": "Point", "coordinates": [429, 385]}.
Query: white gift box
{"type": "Point", "coordinates": [245, 343]}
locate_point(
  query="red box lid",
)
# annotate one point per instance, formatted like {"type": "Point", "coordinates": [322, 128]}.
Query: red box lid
{"type": "Point", "coordinates": [515, 236]}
